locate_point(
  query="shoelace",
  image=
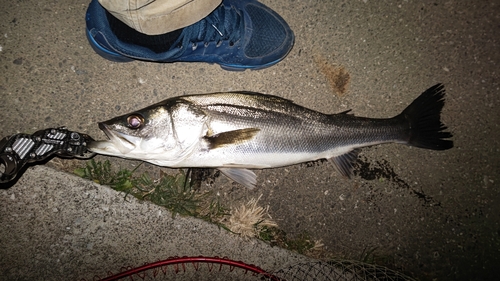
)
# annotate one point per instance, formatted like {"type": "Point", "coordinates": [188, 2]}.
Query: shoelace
{"type": "Point", "coordinates": [225, 23]}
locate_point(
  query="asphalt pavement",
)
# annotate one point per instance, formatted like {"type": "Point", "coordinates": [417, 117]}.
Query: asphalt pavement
{"type": "Point", "coordinates": [433, 215]}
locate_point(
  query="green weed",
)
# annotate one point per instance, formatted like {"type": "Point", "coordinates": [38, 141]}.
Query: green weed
{"type": "Point", "coordinates": [173, 192]}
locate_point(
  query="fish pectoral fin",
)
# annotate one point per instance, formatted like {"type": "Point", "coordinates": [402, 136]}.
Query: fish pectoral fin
{"type": "Point", "coordinates": [345, 162]}
{"type": "Point", "coordinates": [244, 177]}
{"type": "Point", "coordinates": [231, 137]}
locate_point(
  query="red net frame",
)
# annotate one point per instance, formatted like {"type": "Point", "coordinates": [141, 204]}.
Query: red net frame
{"type": "Point", "coordinates": [180, 264]}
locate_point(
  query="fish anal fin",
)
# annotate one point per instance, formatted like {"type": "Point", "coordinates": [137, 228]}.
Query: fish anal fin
{"type": "Point", "coordinates": [344, 163]}
{"type": "Point", "coordinates": [231, 137]}
{"type": "Point", "coordinates": [244, 177]}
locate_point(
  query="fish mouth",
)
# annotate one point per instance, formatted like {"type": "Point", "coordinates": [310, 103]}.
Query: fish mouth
{"type": "Point", "coordinates": [118, 143]}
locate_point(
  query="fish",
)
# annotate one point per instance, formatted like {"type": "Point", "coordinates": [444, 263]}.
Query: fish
{"type": "Point", "coordinates": [237, 132]}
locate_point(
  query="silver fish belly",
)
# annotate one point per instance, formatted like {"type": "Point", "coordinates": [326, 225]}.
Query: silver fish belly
{"type": "Point", "coordinates": [237, 131]}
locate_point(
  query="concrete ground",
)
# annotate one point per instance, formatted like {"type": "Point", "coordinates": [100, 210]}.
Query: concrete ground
{"type": "Point", "coordinates": [433, 215]}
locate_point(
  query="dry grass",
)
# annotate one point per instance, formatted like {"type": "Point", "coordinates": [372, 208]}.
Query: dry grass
{"type": "Point", "coordinates": [249, 219]}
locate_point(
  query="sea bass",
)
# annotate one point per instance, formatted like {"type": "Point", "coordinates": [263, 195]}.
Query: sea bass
{"type": "Point", "coordinates": [238, 131]}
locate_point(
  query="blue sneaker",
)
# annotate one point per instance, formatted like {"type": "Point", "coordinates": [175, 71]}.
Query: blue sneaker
{"type": "Point", "coordinates": [238, 35]}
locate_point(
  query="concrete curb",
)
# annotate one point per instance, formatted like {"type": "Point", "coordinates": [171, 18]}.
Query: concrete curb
{"type": "Point", "coordinates": [57, 226]}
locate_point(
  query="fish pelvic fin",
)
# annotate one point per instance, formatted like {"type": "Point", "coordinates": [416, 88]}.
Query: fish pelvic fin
{"type": "Point", "coordinates": [231, 137]}
{"type": "Point", "coordinates": [345, 162]}
{"type": "Point", "coordinates": [423, 115]}
{"type": "Point", "coordinates": [244, 177]}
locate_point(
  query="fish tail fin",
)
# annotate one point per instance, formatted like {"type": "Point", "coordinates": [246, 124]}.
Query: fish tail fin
{"type": "Point", "coordinates": [423, 115]}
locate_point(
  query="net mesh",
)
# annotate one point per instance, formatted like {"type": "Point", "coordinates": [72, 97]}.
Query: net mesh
{"type": "Point", "coordinates": [338, 270]}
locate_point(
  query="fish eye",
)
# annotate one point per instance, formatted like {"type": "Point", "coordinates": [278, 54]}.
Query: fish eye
{"type": "Point", "coordinates": [135, 121]}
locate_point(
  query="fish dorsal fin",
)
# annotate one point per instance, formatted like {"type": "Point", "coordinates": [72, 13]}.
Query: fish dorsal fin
{"type": "Point", "coordinates": [231, 137]}
{"type": "Point", "coordinates": [244, 177]}
{"type": "Point", "coordinates": [345, 162]}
